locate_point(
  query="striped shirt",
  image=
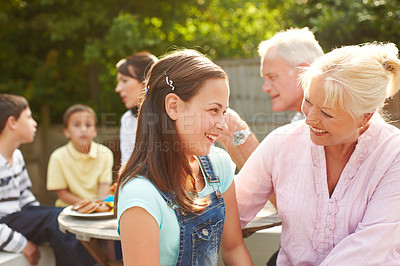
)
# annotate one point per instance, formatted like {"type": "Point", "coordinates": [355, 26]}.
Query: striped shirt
{"type": "Point", "coordinates": [14, 194]}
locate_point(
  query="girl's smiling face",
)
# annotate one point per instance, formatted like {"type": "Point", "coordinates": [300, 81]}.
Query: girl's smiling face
{"type": "Point", "coordinates": [200, 120]}
{"type": "Point", "coordinates": [328, 126]}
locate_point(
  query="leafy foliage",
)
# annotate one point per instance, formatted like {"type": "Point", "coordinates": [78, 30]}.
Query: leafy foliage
{"type": "Point", "coordinates": [341, 22]}
{"type": "Point", "coordinates": [58, 53]}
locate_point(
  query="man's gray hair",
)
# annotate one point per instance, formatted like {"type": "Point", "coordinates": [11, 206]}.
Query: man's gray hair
{"type": "Point", "coordinates": [294, 45]}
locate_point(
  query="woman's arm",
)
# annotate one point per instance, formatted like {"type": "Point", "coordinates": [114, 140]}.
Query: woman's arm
{"type": "Point", "coordinates": [234, 251]}
{"type": "Point", "coordinates": [139, 237]}
{"type": "Point", "coordinates": [253, 184]}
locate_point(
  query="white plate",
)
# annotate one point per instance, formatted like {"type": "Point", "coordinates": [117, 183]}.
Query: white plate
{"type": "Point", "coordinates": [68, 211]}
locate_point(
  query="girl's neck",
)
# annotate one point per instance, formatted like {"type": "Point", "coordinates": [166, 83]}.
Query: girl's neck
{"type": "Point", "coordinates": [194, 165]}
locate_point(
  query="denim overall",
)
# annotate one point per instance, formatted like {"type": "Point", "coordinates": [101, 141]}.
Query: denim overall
{"type": "Point", "coordinates": [200, 234]}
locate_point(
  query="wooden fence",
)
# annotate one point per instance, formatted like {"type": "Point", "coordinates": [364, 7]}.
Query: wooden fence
{"type": "Point", "coordinates": [246, 98]}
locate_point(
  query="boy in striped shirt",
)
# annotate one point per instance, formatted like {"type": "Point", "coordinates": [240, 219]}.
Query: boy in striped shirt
{"type": "Point", "coordinates": [24, 224]}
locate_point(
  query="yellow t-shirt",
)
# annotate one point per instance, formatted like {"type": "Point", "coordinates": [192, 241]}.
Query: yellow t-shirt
{"type": "Point", "coordinates": [80, 173]}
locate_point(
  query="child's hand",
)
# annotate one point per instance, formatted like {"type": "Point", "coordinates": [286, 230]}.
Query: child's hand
{"type": "Point", "coordinates": [32, 253]}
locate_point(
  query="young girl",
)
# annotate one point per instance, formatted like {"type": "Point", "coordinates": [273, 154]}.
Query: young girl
{"type": "Point", "coordinates": [175, 200]}
{"type": "Point", "coordinates": [130, 77]}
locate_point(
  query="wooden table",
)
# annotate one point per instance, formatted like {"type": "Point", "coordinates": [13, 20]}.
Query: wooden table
{"type": "Point", "coordinates": [88, 231]}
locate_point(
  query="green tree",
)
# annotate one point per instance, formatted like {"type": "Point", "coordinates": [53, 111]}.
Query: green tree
{"type": "Point", "coordinates": [59, 52]}
{"type": "Point", "coordinates": [340, 22]}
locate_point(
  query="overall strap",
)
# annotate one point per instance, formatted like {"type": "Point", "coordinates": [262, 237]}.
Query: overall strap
{"type": "Point", "coordinates": [208, 168]}
{"type": "Point", "coordinates": [168, 197]}
{"type": "Point", "coordinates": [212, 178]}
{"type": "Point", "coordinates": [201, 233]}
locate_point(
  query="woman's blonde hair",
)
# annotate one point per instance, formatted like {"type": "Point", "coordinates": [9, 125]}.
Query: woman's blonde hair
{"type": "Point", "coordinates": [358, 79]}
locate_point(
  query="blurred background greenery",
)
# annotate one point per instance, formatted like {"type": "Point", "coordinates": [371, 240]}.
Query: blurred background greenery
{"type": "Point", "coordinates": [60, 52]}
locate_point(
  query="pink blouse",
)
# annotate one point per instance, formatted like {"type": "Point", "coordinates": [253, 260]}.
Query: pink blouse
{"type": "Point", "coordinates": [358, 225]}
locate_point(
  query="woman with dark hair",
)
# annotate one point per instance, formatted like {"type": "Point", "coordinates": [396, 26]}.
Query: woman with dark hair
{"type": "Point", "coordinates": [175, 198]}
{"type": "Point", "coordinates": [131, 76]}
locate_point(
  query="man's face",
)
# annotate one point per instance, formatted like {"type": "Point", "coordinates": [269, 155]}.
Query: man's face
{"type": "Point", "coordinates": [280, 82]}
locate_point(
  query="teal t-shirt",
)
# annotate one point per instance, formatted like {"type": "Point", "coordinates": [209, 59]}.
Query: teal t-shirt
{"type": "Point", "coordinates": [139, 192]}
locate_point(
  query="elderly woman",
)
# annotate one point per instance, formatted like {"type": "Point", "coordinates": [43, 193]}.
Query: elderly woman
{"type": "Point", "coordinates": [336, 174]}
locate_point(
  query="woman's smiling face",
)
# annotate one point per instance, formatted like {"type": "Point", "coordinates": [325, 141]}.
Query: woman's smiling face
{"type": "Point", "coordinates": [328, 126]}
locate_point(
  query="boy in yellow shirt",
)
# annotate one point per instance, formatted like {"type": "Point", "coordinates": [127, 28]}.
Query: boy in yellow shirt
{"type": "Point", "coordinates": [81, 169]}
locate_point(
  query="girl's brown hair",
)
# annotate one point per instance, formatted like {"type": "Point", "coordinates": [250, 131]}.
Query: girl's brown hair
{"type": "Point", "coordinates": [157, 154]}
